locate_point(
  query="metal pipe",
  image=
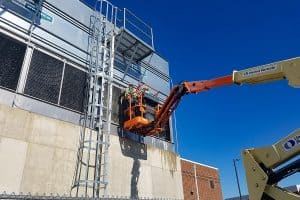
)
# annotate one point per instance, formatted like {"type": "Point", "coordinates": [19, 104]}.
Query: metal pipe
{"type": "Point", "coordinates": [152, 39]}
{"type": "Point", "coordinates": [196, 182]}
{"type": "Point", "coordinates": [124, 18]}
{"type": "Point", "coordinates": [107, 12]}
{"type": "Point", "coordinates": [237, 177]}
{"type": "Point", "coordinates": [115, 16]}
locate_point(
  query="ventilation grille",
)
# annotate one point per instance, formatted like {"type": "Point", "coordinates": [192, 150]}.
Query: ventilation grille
{"type": "Point", "coordinates": [73, 88]}
{"type": "Point", "coordinates": [11, 60]}
{"type": "Point", "coordinates": [44, 77]}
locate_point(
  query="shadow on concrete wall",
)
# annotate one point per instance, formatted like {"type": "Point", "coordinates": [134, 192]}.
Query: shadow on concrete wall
{"type": "Point", "coordinates": [135, 174]}
{"type": "Point", "coordinates": [132, 146]}
{"type": "Point", "coordinates": [137, 152]}
{"type": "Point", "coordinates": [169, 159]}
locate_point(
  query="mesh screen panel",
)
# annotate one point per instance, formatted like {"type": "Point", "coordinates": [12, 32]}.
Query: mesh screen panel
{"type": "Point", "coordinates": [44, 77]}
{"type": "Point", "coordinates": [11, 60]}
{"type": "Point", "coordinates": [73, 88]}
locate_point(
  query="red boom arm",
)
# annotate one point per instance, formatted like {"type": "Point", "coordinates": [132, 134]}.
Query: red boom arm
{"type": "Point", "coordinates": [171, 103]}
{"type": "Point", "coordinates": [137, 123]}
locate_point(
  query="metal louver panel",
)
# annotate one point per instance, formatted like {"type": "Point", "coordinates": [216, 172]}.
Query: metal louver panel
{"type": "Point", "coordinates": [73, 88]}
{"type": "Point", "coordinates": [11, 60]}
{"type": "Point", "coordinates": [44, 77]}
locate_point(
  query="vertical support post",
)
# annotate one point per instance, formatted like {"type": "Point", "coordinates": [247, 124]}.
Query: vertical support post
{"type": "Point", "coordinates": [152, 39]}
{"type": "Point", "coordinates": [107, 12]}
{"type": "Point", "coordinates": [116, 16]}
{"type": "Point", "coordinates": [109, 112]}
{"type": "Point", "coordinates": [25, 69]}
{"type": "Point", "coordinates": [61, 82]}
{"type": "Point", "coordinates": [196, 182]}
{"type": "Point", "coordinates": [124, 18]}
{"type": "Point", "coordinates": [237, 177]}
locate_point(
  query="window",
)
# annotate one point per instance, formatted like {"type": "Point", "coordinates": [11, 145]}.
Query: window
{"type": "Point", "coordinates": [212, 184]}
{"type": "Point", "coordinates": [11, 59]}
{"type": "Point", "coordinates": [73, 88]}
{"type": "Point", "coordinates": [44, 77]}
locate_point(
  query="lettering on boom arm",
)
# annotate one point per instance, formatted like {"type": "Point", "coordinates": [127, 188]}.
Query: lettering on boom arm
{"type": "Point", "coordinates": [259, 70]}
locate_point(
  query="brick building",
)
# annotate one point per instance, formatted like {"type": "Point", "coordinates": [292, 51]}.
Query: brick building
{"type": "Point", "coordinates": [200, 182]}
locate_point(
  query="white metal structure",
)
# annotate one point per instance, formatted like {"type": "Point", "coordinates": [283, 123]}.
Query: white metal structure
{"type": "Point", "coordinates": [91, 173]}
{"type": "Point", "coordinates": [109, 36]}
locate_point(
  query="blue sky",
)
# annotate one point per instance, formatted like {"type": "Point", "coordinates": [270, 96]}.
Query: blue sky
{"type": "Point", "coordinates": [207, 39]}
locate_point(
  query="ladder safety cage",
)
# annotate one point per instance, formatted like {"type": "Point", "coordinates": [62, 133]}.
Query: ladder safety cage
{"type": "Point", "coordinates": [112, 31]}
{"type": "Point", "coordinates": [91, 171]}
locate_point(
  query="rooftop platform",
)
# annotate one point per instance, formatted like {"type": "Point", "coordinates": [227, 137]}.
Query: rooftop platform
{"type": "Point", "coordinates": [135, 37]}
{"type": "Point", "coordinates": [130, 46]}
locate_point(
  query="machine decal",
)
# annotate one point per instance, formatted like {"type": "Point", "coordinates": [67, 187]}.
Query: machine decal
{"type": "Point", "coordinates": [292, 143]}
{"type": "Point", "coordinates": [259, 70]}
{"type": "Point", "coordinates": [43, 15]}
{"type": "Point", "coordinates": [31, 6]}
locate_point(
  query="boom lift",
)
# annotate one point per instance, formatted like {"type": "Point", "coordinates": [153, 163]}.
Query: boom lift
{"type": "Point", "coordinates": [260, 163]}
{"type": "Point", "coordinates": [136, 114]}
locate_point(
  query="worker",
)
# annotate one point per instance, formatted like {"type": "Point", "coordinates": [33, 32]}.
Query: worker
{"type": "Point", "coordinates": [131, 91]}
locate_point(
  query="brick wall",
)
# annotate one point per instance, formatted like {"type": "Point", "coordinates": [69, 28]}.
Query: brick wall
{"type": "Point", "coordinates": [207, 182]}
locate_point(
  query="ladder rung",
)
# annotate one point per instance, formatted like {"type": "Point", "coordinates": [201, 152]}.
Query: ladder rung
{"type": "Point", "coordinates": [104, 47]}
{"type": "Point", "coordinates": [96, 105]}
{"type": "Point", "coordinates": [95, 116]}
{"type": "Point", "coordinates": [100, 143]}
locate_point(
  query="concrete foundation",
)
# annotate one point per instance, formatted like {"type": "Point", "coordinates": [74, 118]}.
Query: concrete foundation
{"type": "Point", "coordinates": [38, 155]}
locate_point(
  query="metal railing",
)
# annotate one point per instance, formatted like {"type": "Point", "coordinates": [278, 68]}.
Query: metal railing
{"type": "Point", "coordinates": [29, 196]}
{"type": "Point", "coordinates": [128, 20]}
{"type": "Point", "coordinates": [124, 18]}
{"type": "Point", "coordinates": [107, 9]}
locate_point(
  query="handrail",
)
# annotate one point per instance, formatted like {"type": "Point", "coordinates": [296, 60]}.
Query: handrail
{"type": "Point", "coordinates": [138, 18]}
{"type": "Point", "coordinates": [107, 9]}
{"type": "Point", "coordinates": [143, 32]}
{"type": "Point", "coordinates": [147, 33]}
{"type": "Point", "coordinates": [126, 19]}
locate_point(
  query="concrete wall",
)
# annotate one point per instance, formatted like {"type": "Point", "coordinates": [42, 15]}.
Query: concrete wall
{"type": "Point", "coordinates": [200, 181]}
{"type": "Point", "coordinates": [38, 155]}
